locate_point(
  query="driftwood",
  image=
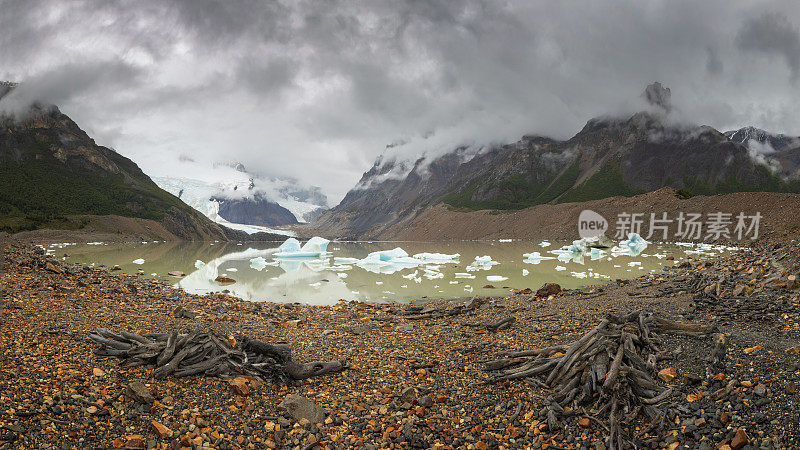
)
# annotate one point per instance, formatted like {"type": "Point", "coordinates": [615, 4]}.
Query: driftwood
{"type": "Point", "coordinates": [608, 370]}
{"type": "Point", "coordinates": [207, 354]}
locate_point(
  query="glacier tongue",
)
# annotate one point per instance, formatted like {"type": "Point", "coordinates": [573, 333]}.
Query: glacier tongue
{"type": "Point", "coordinates": [201, 195]}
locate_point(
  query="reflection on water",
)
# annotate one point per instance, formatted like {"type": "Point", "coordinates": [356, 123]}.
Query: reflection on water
{"type": "Point", "coordinates": [260, 276]}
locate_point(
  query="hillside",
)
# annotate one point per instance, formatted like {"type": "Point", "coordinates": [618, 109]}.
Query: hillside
{"type": "Point", "coordinates": [608, 157]}
{"type": "Point", "coordinates": [53, 175]}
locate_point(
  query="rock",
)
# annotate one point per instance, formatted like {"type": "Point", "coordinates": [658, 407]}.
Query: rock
{"type": "Point", "coordinates": [725, 418]}
{"type": "Point", "coordinates": [584, 423]}
{"type": "Point", "coordinates": [360, 329]}
{"type": "Point", "coordinates": [53, 268]}
{"type": "Point", "coordinates": [408, 395]}
{"type": "Point", "coordinates": [162, 431]}
{"type": "Point", "coordinates": [740, 439]}
{"type": "Point", "coordinates": [689, 379]}
{"type": "Point", "coordinates": [548, 289]}
{"type": "Point", "coordinates": [176, 273]}
{"type": "Point", "coordinates": [239, 386]}
{"type": "Point", "coordinates": [667, 374]}
{"type": "Point", "coordinates": [139, 392]}
{"type": "Point", "coordinates": [302, 408]}
{"type": "Point", "coordinates": [98, 372]}
{"type": "Point", "coordinates": [182, 313]}
{"type": "Point", "coordinates": [657, 95]}
{"type": "Point", "coordinates": [753, 349]}
{"type": "Point", "coordinates": [760, 390]}
{"type": "Point", "coordinates": [426, 401]}
{"type": "Point", "coordinates": [223, 279]}
{"type": "Point", "coordinates": [488, 286]}
{"type": "Point", "coordinates": [791, 387]}
{"type": "Point", "coordinates": [92, 410]}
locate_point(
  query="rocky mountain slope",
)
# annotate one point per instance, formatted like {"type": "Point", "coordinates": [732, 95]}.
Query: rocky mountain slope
{"type": "Point", "coordinates": [610, 156]}
{"type": "Point", "coordinates": [53, 175]}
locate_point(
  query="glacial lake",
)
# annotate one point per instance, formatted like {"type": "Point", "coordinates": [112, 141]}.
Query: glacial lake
{"type": "Point", "coordinates": [324, 281]}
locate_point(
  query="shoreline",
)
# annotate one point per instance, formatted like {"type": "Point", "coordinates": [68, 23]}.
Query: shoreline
{"type": "Point", "coordinates": [55, 396]}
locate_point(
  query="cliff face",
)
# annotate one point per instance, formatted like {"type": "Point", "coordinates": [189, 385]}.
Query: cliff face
{"type": "Point", "coordinates": [608, 157]}
{"type": "Point", "coordinates": [50, 168]}
{"type": "Point", "coordinates": [255, 211]}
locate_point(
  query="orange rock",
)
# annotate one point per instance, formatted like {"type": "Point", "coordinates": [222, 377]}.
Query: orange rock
{"type": "Point", "coordinates": [98, 372]}
{"type": "Point", "coordinates": [161, 430]}
{"type": "Point", "coordinates": [668, 374]}
{"type": "Point", "coordinates": [747, 383]}
{"type": "Point", "coordinates": [719, 377]}
{"type": "Point", "coordinates": [753, 349]}
{"type": "Point", "coordinates": [239, 386]}
{"type": "Point", "coordinates": [740, 439]}
{"type": "Point", "coordinates": [585, 422]}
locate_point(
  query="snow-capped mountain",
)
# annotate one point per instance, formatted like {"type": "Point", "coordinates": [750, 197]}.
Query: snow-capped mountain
{"type": "Point", "coordinates": [238, 197]}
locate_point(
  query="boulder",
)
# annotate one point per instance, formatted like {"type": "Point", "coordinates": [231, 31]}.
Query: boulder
{"type": "Point", "coordinates": [302, 408]}
{"type": "Point", "coordinates": [548, 289]}
{"type": "Point", "coordinates": [139, 392]}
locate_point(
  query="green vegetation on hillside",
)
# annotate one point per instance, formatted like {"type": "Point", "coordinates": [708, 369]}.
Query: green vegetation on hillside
{"type": "Point", "coordinates": [607, 182]}
{"type": "Point", "coordinates": [39, 191]}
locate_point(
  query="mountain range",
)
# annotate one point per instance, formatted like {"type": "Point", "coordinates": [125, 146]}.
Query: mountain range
{"type": "Point", "coordinates": [53, 175]}
{"type": "Point", "coordinates": [610, 156]}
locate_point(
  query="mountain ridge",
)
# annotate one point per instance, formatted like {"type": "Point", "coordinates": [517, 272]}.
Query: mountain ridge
{"type": "Point", "coordinates": [608, 157]}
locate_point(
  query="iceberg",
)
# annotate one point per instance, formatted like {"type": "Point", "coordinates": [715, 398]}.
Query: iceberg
{"type": "Point", "coordinates": [534, 258]}
{"type": "Point", "coordinates": [199, 264]}
{"type": "Point", "coordinates": [316, 247]}
{"type": "Point", "coordinates": [341, 260]}
{"type": "Point", "coordinates": [496, 278]}
{"type": "Point", "coordinates": [481, 263]}
{"type": "Point", "coordinates": [138, 261]}
{"type": "Point", "coordinates": [437, 257]}
{"type": "Point", "coordinates": [258, 263]}
{"type": "Point", "coordinates": [525, 272]}
{"type": "Point", "coordinates": [388, 261]}
{"type": "Point", "coordinates": [634, 244]}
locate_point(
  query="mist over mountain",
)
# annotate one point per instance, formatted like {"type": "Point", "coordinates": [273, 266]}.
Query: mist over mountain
{"type": "Point", "coordinates": [611, 156]}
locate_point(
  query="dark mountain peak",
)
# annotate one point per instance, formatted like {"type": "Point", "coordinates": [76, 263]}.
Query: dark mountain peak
{"type": "Point", "coordinates": [6, 87]}
{"type": "Point", "coordinates": [777, 142]}
{"type": "Point", "coordinates": [659, 96]}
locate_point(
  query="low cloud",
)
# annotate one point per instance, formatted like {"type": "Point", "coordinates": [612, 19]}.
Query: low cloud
{"type": "Point", "coordinates": [315, 90]}
{"type": "Point", "coordinates": [772, 34]}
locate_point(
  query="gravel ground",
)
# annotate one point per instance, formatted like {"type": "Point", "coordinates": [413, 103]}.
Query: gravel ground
{"type": "Point", "coordinates": [413, 382]}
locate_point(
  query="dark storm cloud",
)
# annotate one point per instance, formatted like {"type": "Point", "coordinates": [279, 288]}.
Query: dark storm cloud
{"type": "Point", "coordinates": [315, 89]}
{"type": "Point", "coordinates": [772, 33]}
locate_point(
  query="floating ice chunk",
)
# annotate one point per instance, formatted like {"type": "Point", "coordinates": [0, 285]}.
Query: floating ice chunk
{"type": "Point", "coordinates": [437, 257]}
{"type": "Point", "coordinates": [139, 261]}
{"type": "Point", "coordinates": [341, 275]}
{"type": "Point", "coordinates": [525, 272]}
{"type": "Point", "coordinates": [468, 288]}
{"type": "Point", "coordinates": [560, 268]}
{"type": "Point", "coordinates": [534, 258]}
{"type": "Point", "coordinates": [496, 278]}
{"type": "Point", "coordinates": [579, 274]}
{"type": "Point", "coordinates": [432, 274]}
{"type": "Point", "coordinates": [258, 263]}
{"type": "Point", "coordinates": [379, 283]}
{"type": "Point", "coordinates": [411, 276]}
{"type": "Point", "coordinates": [233, 269]}
{"type": "Point", "coordinates": [453, 282]}
{"type": "Point", "coordinates": [344, 260]}
{"type": "Point", "coordinates": [316, 247]}
{"type": "Point", "coordinates": [634, 244]}
{"type": "Point", "coordinates": [634, 263]}
{"type": "Point", "coordinates": [481, 263]}
{"type": "Point", "coordinates": [199, 264]}
{"type": "Point", "coordinates": [154, 274]}
{"type": "Point", "coordinates": [504, 240]}
{"type": "Point", "coordinates": [317, 284]}
{"type": "Point", "coordinates": [464, 275]}
{"type": "Point", "coordinates": [545, 244]}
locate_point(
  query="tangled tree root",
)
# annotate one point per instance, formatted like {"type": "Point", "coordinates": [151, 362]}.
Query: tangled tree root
{"type": "Point", "coordinates": [607, 370]}
{"type": "Point", "coordinates": [206, 354]}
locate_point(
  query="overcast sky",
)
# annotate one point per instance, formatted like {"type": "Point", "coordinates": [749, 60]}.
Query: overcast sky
{"type": "Point", "coordinates": [317, 89]}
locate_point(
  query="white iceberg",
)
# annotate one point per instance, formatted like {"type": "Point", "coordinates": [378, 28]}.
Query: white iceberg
{"type": "Point", "coordinates": [258, 263]}
{"type": "Point", "coordinates": [316, 247]}
{"type": "Point", "coordinates": [496, 278]}
{"type": "Point", "coordinates": [199, 264]}
{"type": "Point", "coordinates": [525, 272]}
{"type": "Point", "coordinates": [534, 258]}
{"type": "Point", "coordinates": [437, 257]}
{"type": "Point", "coordinates": [138, 261]}
{"type": "Point", "coordinates": [344, 260]}
{"type": "Point", "coordinates": [634, 244]}
{"type": "Point", "coordinates": [481, 263]}
{"type": "Point", "coordinates": [388, 261]}
{"type": "Point", "coordinates": [545, 244]}
{"type": "Point", "coordinates": [560, 268]}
